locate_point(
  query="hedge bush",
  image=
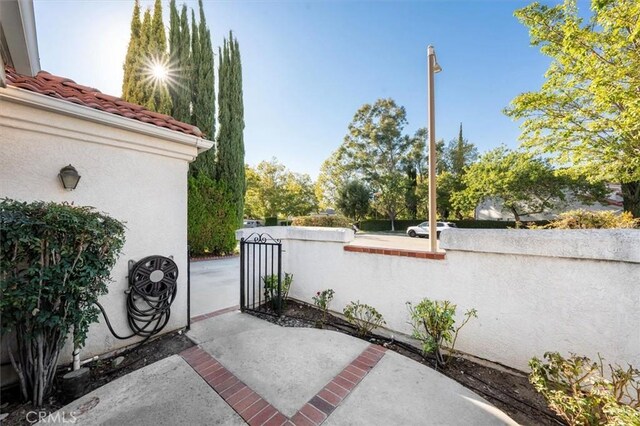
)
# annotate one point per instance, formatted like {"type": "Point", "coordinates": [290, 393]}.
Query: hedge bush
{"type": "Point", "coordinates": [271, 221]}
{"type": "Point", "coordinates": [212, 217]}
{"type": "Point", "coordinates": [56, 261]}
{"type": "Point", "coordinates": [402, 225]}
{"type": "Point", "coordinates": [333, 221]}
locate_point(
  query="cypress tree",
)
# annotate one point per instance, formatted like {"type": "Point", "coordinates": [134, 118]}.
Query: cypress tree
{"type": "Point", "coordinates": [133, 51]}
{"type": "Point", "coordinates": [175, 44]}
{"type": "Point", "coordinates": [202, 92]}
{"type": "Point", "coordinates": [195, 60]}
{"type": "Point", "coordinates": [181, 76]}
{"type": "Point", "coordinates": [230, 167]}
{"type": "Point", "coordinates": [205, 100]}
{"type": "Point", "coordinates": [139, 84]}
{"type": "Point", "coordinates": [157, 53]}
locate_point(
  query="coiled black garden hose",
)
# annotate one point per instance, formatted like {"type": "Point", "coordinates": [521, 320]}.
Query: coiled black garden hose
{"type": "Point", "coordinates": [152, 290]}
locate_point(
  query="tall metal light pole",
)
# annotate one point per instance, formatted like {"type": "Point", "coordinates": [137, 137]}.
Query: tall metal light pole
{"type": "Point", "coordinates": [432, 68]}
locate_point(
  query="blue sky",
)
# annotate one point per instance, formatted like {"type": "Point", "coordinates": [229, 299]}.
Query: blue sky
{"type": "Point", "coordinates": [308, 66]}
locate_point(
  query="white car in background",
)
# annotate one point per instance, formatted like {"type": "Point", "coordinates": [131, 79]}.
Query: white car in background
{"type": "Point", "coordinates": [422, 230]}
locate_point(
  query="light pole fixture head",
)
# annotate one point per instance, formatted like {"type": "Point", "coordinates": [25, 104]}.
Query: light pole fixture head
{"type": "Point", "coordinates": [69, 177]}
{"type": "Point", "coordinates": [431, 52]}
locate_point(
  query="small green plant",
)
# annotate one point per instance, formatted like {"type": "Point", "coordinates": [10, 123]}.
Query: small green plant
{"type": "Point", "coordinates": [433, 323]}
{"type": "Point", "coordinates": [364, 317]}
{"type": "Point", "coordinates": [322, 300]}
{"type": "Point", "coordinates": [577, 390]}
{"type": "Point", "coordinates": [271, 289]}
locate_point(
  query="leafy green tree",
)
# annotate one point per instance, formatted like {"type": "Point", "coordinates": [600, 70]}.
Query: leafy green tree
{"type": "Point", "coordinates": [334, 174]}
{"type": "Point", "coordinates": [230, 167]}
{"type": "Point", "coordinates": [354, 200]}
{"type": "Point", "coordinates": [273, 190]}
{"type": "Point", "coordinates": [586, 115]}
{"type": "Point", "coordinates": [133, 52]}
{"type": "Point", "coordinates": [458, 155]}
{"type": "Point", "coordinates": [415, 166]}
{"type": "Point", "coordinates": [455, 159]}
{"type": "Point", "coordinates": [300, 197]}
{"type": "Point", "coordinates": [523, 183]}
{"type": "Point", "coordinates": [375, 149]}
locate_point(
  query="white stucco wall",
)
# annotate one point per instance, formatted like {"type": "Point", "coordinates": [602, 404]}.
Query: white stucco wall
{"type": "Point", "coordinates": [135, 178]}
{"type": "Point", "coordinates": [535, 291]}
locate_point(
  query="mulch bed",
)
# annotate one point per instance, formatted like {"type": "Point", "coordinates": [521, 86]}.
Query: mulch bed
{"type": "Point", "coordinates": [102, 372]}
{"type": "Point", "coordinates": [510, 391]}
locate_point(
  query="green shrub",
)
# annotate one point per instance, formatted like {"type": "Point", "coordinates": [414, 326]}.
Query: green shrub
{"type": "Point", "coordinates": [271, 289]}
{"type": "Point", "coordinates": [385, 224]}
{"type": "Point", "coordinates": [55, 262]}
{"type": "Point", "coordinates": [271, 221]}
{"type": "Point", "coordinates": [577, 390]}
{"type": "Point", "coordinates": [402, 225]}
{"type": "Point", "coordinates": [434, 326]}
{"type": "Point", "coordinates": [586, 219]}
{"type": "Point", "coordinates": [333, 221]}
{"type": "Point", "coordinates": [212, 217]}
{"type": "Point", "coordinates": [322, 300]}
{"type": "Point", "coordinates": [364, 317]}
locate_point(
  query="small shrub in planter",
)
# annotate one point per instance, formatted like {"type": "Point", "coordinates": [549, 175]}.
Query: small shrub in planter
{"type": "Point", "coordinates": [434, 326]}
{"type": "Point", "coordinates": [364, 317]}
{"type": "Point", "coordinates": [577, 390]}
{"type": "Point", "coordinates": [55, 262]}
{"type": "Point", "coordinates": [271, 289]}
{"type": "Point", "coordinates": [322, 300]}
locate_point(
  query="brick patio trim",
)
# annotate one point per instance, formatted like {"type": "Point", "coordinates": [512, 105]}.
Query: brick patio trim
{"type": "Point", "coordinates": [396, 252]}
{"type": "Point", "coordinates": [215, 313]}
{"type": "Point", "coordinates": [255, 410]}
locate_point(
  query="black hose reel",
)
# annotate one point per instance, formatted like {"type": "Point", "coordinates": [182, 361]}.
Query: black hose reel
{"type": "Point", "coordinates": [152, 290]}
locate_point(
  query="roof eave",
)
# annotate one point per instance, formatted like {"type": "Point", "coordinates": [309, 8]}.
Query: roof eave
{"type": "Point", "coordinates": [60, 106]}
{"type": "Point", "coordinates": [19, 28]}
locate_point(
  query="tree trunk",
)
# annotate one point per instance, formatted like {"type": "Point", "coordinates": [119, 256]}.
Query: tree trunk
{"type": "Point", "coordinates": [516, 216]}
{"type": "Point", "coordinates": [631, 198]}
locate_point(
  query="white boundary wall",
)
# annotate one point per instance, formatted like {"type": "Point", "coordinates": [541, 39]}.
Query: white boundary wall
{"type": "Point", "coordinates": [535, 290]}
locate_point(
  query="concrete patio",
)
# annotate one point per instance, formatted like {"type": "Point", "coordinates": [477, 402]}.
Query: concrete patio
{"type": "Point", "coordinates": [248, 370]}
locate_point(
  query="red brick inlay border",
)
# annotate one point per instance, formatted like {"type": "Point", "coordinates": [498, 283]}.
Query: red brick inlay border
{"type": "Point", "coordinates": [215, 313]}
{"type": "Point", "coordinates": [396, 252]}
{"type": "Point", "coordinates": [255, 410]}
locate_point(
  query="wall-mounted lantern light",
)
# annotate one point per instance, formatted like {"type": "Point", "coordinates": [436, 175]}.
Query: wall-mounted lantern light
{"type": "Point", "coordinates": [69, 177]}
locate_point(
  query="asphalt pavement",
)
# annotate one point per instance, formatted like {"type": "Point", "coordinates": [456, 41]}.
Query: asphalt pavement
{"type": "Point", "coordinates": [215, 285]}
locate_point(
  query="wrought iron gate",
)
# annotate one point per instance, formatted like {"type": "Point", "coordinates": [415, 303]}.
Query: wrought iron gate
{"type": "Point", "coordinates": [261, 274]}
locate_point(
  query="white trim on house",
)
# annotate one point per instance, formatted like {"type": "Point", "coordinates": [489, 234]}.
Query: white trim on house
{"type": "Point", "coordinates": [47, 103]}
{"type": "Point", "coordinates": [19, 27]}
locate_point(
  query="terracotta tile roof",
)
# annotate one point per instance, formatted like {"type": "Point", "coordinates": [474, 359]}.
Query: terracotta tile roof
{"type": "Point", "coordinates": [68, 90]}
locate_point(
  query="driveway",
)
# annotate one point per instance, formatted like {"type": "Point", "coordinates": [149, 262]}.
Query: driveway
{"type": "Point", "coordinates": [215, 285]}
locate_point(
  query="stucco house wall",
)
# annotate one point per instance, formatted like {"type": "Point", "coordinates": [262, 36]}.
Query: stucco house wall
{"type": "Point", "coordinates": [137, 178]}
